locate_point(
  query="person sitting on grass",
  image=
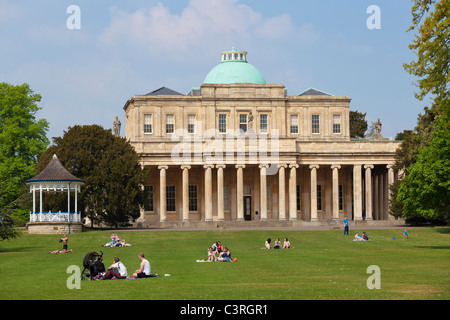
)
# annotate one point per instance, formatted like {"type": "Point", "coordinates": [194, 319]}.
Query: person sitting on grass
{"type": "Point", "coordinates": [365, 237]}
{"type": "Point", "coordinates": [286, 244]}
{"type": "Point", "coordinates": [144, 270]}
{"type": "Point", "coordinates": [268, 243]}
{"type": "Point", "coordinates": [225, 255]}
{"type": "Point", "coordinates": [116, 270]}
{"type": "Point", "coordinates": [277, 244]}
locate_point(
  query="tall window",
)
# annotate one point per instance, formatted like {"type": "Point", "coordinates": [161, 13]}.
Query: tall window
{"type": "Point", "coordinates": [319, 197]}
{"type": "Point", "coordinates": [298, 198]}
{"type": "Point", "coordinates": [263, 123]}
{"type": "Point", "coordinates": [294, 123]}
{"type": "Point", "coordinates": [170, 121]}
{"type": "Point", "coordinates": [341, 197]}
{"type": "Point", "coordinates": [191, 123]}
{"type": "Point", "coordinates": [336, 123]}
{"type": "Point", "coordinates": [148, 123]}
{"type": "Point", "coordinates": [222, 123]}
{"type": "Point", "coordinates": [149, 205]}
{"type": "Point", "coordinates": [192, 198]}
{"type": "Point", "coordinates": [243, 122]}
{"type": "Point", "coordinates": [315, 123]}
{"type": "Point", "coordinates": [226, 198]}
{"type": "Point", "coordinates": [268, 198]}
{"type": "Point", "coordinates": [170, 198]}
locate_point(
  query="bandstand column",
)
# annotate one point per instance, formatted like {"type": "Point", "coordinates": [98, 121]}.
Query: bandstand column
{"type": "Point", "coordinates": [263, 190]}
{"type": "Point", "coordinates": [220, 203]}
{"type": "Point", "coordinates": [281, 192]}
{"type": "Point", "coordinates": [335, 187]}
{"type": "Point", "coordinates": [185, 189]}
{"type": "Point", "coordinates": [240, 192]}
{"type": "Point", "coordinates": [40, 198]}
{"type": "Point", "coordinates": [293, 192]}
{"type": "Point", "coordinates": [34, 200]}
{"type": "Point", "coordinates": [314, 168]}
{"type": "Point", "coordinates": [162, 192]}
{"type": "Point", "coordinates": [369, 214]}
{"type": "Point", "coordinates": [208, 192]}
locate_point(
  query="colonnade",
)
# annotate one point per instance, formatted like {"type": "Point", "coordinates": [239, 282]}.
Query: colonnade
{"type": "Point", "coordinates": [369, 191]}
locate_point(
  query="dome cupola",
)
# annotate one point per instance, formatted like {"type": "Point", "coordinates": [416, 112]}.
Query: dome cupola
{"type": "Point", "coordinates": [234, 68]}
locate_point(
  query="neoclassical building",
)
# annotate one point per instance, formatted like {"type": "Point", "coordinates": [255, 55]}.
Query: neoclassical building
{"type": "Point", "coordinates": [239, 149]}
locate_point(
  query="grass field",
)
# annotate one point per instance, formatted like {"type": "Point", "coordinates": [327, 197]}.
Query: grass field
{"type": "Point", "coordinates": [323, 265]}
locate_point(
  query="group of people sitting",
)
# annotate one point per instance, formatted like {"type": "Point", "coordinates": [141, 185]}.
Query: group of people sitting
{"type": "Point", "coordinates": [116, 242]}
{"type": "Point", "coordinates": [364, 237]}
{"type": "Point", "coordinates": [286, 244]}
{"type": "Point", "coordinates": [117, 270]}
{"type": "Point", "coordinates": [217, 252]}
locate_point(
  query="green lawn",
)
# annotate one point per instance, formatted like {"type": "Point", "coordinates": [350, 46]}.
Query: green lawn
{"type": "Point", "coordinates": [323, 265]}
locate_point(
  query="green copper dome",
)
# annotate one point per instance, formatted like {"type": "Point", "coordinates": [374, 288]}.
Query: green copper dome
{"type": "Point", "coordinates": [234, 68]}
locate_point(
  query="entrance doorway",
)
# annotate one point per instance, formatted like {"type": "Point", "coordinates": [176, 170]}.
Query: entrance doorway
{"type": "Point", "coordinates": [247, 208]}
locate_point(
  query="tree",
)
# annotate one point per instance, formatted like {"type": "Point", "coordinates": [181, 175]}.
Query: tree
{"type": "Point", "coordinates": [358, 124]}
{"type": "Point", "coordinates": [110, 167]}
{"type": "Point", "coordinates": [432, 48]}
{"type": "Point", "coordinates": [22, 141]}
{"type": "Point", "coordinates": [424, 154]}
{"type": "Point", "coordinates": [426, 189]}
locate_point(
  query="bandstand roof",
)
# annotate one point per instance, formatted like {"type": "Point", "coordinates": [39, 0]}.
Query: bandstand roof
{"type": "Point", "coordinates": [54, 172]}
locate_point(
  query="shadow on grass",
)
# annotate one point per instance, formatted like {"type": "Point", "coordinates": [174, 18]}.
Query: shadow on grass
{"type": "Point", "coordinates": [433, 247]}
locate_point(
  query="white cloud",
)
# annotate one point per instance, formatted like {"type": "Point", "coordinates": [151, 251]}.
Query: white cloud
{"type": "Point", "coordinates": [202, 24]}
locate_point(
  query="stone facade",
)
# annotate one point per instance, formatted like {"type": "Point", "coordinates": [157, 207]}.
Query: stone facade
{"type": "Point", "coordinates": [249, 152]}
{"type": "Point", "coordinates": [54, 227]}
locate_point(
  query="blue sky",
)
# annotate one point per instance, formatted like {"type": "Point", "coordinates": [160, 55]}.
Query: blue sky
{"type": "Point", "coordinates": [124, 48]}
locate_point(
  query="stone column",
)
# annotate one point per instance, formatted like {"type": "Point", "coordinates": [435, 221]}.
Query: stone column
{"type": "Point", "coordinates": [185, 192]}
{"type": "Point", "coordinates": [208, 192]}
{"type": "Point", "coordinates": [293, 192]}
{"type": "Point", "coordinates": [162, 193]}
{"type": "Point", "coordinates": [357, 199]}
{"type": "Point", "coordinates": [369, 214]}
{"type": "Point", "coordinates": [314, 168]}
{"type": "Point", "coordinates": [263, 190]}
{"type": "Point", "coordinates": [240, 192]}
{"type": "Point", "coordinates": [376, 210]}
{"type": "Point", "coordinates": [390, 179]}
{"type": "Point", "coordinates": [335, 169]}
{"type": "Point", "coordinates": [220, 209]}
{"type": "Point", "coordinates": [281, 192]}
{"type": "Point", "coordinates": [381, 196]}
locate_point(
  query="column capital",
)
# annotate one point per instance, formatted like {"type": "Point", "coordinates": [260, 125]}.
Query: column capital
{"type": "Point", "coordinates": [263, 166]}
{"type": "Point", "coordinates": [222, 166]}
{"type": "Point", "coordinates": [185, 167]}
{"type": "Point", "coordinates": [283, 165]}
{"type": "Point", "coordinates": [314, 166]}
{"type": "Point", "coordinates": [368, 166]}
{"type": "Point", "coordinates": [163, 167]}
{"type": "Point", "coordinates": [240, 166]}
{"type": "Point", "coordinates": [293, 165]}
{"type": "Point", "coordinates": [207, 166]}
{"type": "Point", "coordinates": [390, 166]}
{"type": "Point", "coordinates": [335, 166]}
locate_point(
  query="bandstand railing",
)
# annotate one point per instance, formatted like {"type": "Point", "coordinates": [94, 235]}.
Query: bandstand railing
{"type": "Point", "coordinates": [55, 216]}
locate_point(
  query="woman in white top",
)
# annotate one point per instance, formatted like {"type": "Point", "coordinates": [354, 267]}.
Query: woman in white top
{"type": "Point", "coordinates": [144, 269]}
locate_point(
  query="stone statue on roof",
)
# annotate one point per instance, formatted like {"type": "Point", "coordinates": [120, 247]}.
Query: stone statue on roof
{"type": "Point", "coordinates": [116, 127]}
{"type": "Point", "coordinates": [378, 129]}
